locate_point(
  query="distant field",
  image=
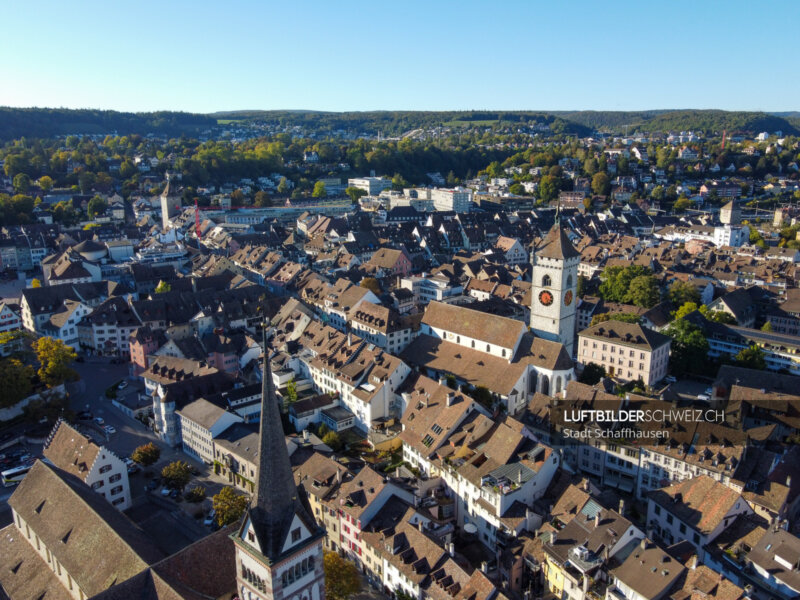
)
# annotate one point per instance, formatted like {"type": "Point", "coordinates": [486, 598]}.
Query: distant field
{"type": "Point", "coordinates": [229, 121]}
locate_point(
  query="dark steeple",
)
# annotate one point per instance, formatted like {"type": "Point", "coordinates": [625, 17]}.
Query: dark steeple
{"type": "Point", "coordinates": [276, 501]}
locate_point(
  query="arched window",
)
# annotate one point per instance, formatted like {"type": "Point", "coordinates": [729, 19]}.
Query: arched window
{"type": "Point", "coordinates": [546, 281]}
{"type": "Point", "coordinates": [569, 281]}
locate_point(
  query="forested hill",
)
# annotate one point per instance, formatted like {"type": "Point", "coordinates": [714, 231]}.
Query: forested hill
{"type": "Point", "coordinates": [395, 123]}
{"type": "Point", "coordinates": [49, 122]}
{"type": "Point", "coordinates": [709, 121]}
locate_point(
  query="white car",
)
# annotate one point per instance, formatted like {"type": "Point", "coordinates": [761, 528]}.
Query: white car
{"type": "Point", "coordinates": [109, 429]}
{"type": "Point", "coordinates": [709, 392]}
{"type": "Point", "coordinates": [99, 420]}
{"type": "Point", "coordinates": [670, 379]}
{"type": "Point", "coordinates": [122, 385]}
{"type": "Point", "coordinates": [704, 397]}
{"type": "Point", "coordinates": [165, 491]}
{"type": "Point", "coordinates": [210, 518]}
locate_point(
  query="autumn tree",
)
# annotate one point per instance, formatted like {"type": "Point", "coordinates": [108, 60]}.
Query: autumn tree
{"type": "Point", "coordinates": [283, 186]}
{"type": "Point", "coordinates": [342, 579]}
{"type": "Point", "coordinates": [332, 440]}
{"type": "Point", "coordinates": [147, 454]}
{"type": "Point", "coordinates": [163, 287]}
{"type": "Point", "coordinates": [751, 358]}
{"type": "Point", "coordinates": [262, 199]}
{"type": "Point", "coordinates": [371, 284]}
{"type": "Point", "coordinates": [176, 474]}
{"type": "Point", "coordinates": [55, 358]}
{"type": "Point", "coordinates": [228, 505]}
{"type": "Point", "coordinates": [685, 309]}
{"type": "Point", "coordinates": [35, 283]}
{"type": "Point", "coordinates": [45, 183]}
{"type": "Point", "coordinates": [21, 183]}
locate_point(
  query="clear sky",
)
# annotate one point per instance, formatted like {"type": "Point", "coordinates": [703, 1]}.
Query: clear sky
{"type": "Point", "coordinates": [202, 56]}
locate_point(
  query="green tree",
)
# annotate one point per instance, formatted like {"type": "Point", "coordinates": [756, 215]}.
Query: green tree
{"type": "Point", "coordinates": [55, 358]}
{"type": "Point", "coordinates": [127, 169]}
{"type": "Point", "coordinates": [517, 189]}
{"type": "Point", "coordinates": [355, 193]}
{"type": "Point", "coordinates": [681, 292]}
{"type": "Point", "coordinates": [685, 309]}
{"type": "Point", "coordinates": [342, 579]}
{"type": "Point", "coordinates": [147, 454]}
{"type": "Point", "coordinates": [196, 494]}
{"type": "Point", "coordinates": [291, 390]}
{"type": "Point", "coordinates": [332, 440]}
{"type": "Point", "coordinates": [590, 166]}
{"type": "Point", "coordinates": [616, 281]}
{"type": "Point", "coordinates": [588, 204]}
{"type": "Point", "coordinates": [283, 186]}
{"type": "Point", "coordinates": [163, 287]}
{"type": "Point", "coordinates": [601, 184]}
{"type": "Point", "coordinates": [581, 286]}
{"type": "Point", "coordinates": [35, 283]}
{"type": "Point", "coordinates": [371, 284]}
{"type": "Point", "coordinates": [592, 373]}
{"type": "Point", "coordinates": [658, 193]}
{"type": "Point", "coordinates": [482, 395]}
{"type": "Point", "coordinates": [751, 358]}
{"type": "Point", "coordinates": [681, 204]}
{"type": "Point", "coordinates": [176, 474]}
{"type": "Point", "coordinates": [319, 190]}
{"type": "Point", "coordinates": [45, 183]}
{"type": "Point", "coordinates": [549, 187]}
{"type": "Point", "coordinates": [96, 206]}
{"type": "Point", "coordinates": [21, 183]}
{"type": "Point", "coordinates": [16, 377]}
{"type": "Point", "coordinates": [689, 348]}
{"type": "Point", "coordinates": [228, 505]}
{"type": "Point", "coordinates": [644, 291]}
{"type": "Point", "coordinates": [767, 326]}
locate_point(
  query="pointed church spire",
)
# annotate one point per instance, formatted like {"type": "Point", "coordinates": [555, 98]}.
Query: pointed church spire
{"type": "Point", "coordinates": [275, 501]}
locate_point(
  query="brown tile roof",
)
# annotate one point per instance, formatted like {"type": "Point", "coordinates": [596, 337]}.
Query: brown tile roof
{"type": "Point", "coordinates": [71, 451]}
{"type": "Point", "coordinates": [359, 493]}
{"type": "Point", "coordinates": [701, 583]}
{"type": "Point", "coordinates": [23, 573]}
{"type": "Point", "coordinates": [700, 502]}
{"type": "Point", "coordinates": [74, 522]}
{"type": "Point", "coordinates": [649, 571]}
{"type": "Point", "coordinates": [556, 244]}
{"type": "Point", "coordinates": [627, 334]}
{"type": "Point", "coordinates": [491, 329]}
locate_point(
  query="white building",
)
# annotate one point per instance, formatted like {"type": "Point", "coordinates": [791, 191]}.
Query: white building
{"type": "Point", "coordinates": [200, 422]}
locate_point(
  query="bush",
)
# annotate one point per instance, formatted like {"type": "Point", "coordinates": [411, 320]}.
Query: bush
{"type": "Point", "coordinates": [196, 494]}
{"type": "Point", "coordinates": [332, 440]}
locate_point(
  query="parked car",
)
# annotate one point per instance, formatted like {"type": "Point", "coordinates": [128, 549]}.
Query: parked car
{"type": "Point", "coordinates": [85, 416]}
{"type": "Point", "coordinates": [109, 429]}
{"type": "Point", "coordinates": [709, 392]}
{"type": "Point", "coordinates": [152, 484]}
{"type": "Point", "coordinates": [165, 491]}
{"type": "Point", "coordinates": [209, 520]}
{"type": "Point", "coordinates": [670, 379]}
{"type": "Point", "coordinates": [174, 494]}
{"type": "Point", "coordinates": [122, 385]}
{"type": "Point", "coordinates": [134, 468]}
{"type": "Point", "coordinates": [99, 420]}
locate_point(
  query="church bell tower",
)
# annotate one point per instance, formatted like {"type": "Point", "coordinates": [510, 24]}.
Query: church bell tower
{"type": "Point", "coordinates": [279, 544]}
{"type": "Point", "coordinates": [554, 288]}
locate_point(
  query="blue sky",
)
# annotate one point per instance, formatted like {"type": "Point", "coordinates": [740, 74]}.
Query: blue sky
{"type": "Point", "coordinates": [434, 55]}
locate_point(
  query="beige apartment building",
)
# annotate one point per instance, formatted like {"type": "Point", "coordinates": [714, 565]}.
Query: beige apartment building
{"type": "Point", "coordinates": [627, 351]}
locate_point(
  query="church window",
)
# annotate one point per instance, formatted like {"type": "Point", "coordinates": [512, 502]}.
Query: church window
{"type": "Point", "coordinates": [546, 282]}
{"type": "Point", "coordinates": [569, 281]}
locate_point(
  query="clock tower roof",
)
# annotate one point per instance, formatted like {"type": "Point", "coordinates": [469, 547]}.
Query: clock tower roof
{"type": "Point", "coordinates": [556, 244]}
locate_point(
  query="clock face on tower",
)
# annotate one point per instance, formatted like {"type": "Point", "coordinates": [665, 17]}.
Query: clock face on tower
{"type": "Point", "coordinates": [568, 298]}
{"type": "Point", "coordinates": [545, 297]}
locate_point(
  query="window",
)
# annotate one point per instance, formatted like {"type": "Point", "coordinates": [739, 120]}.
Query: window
{"type": "Point", "coordinates": [696, 538]}
{"type": "Point", "coordinates": [670, 519]}
{"type": "Point", "coordinates": [657, 510]}
{"type": "Point", "coordinates": [546, 282]}
{"type": "Point", "coordinates": [682, 528]}
{"type": "Point", "coordinates": [116, 490]}
{"type": "Point", "coordinates": [114, 478]}
{"type": "Point", "coordinates": [105, 468]}
{"type": "Point", "coordinates": [296, 535]}
{"type": "Point", "coordinates": [97, 485]}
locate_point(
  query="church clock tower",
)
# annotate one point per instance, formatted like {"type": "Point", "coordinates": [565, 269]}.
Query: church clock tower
{"type": "Point", "coordinates": [279, 544]}
{"type": "Point", "coordinates": [554, 288]}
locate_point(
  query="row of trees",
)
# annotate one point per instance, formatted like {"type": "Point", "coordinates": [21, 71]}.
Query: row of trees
{"type": "Point", "coordinates": [47, 365]}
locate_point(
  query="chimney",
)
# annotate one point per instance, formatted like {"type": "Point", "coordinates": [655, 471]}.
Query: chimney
{"type": "Point", "coordinates": [585, 485]}
{"type": "Point", "coordinates": [338, 476]}
{"type": "Point", "coordinates": [442, 380]}
{"type": "Point", "coordinates": [789, 481]}
{"type": "Point", "coordinates": [643, 544]}
{"type": "Point", "coordinates": [306, 435]}
{"type": "Point", "coordinates": [451, 549]}
{"type": "Point", "coordinates": [420, 525]}
{"type": "Point", "coordinates": [597, 519]}
{"type": "Point", "coordinates": [693, 562]}
{"type": "Point", "coordinates": [622, 506]}
{"type": "Point", "coordinates": [484, 567]}
{"type": "Point", "coordinates": [451, 397]}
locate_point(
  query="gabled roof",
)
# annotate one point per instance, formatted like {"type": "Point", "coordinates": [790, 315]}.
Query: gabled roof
{"type": "Point", "coordinates": [556, 244]}
{"type": "Point", "coordinates": [700, 502]}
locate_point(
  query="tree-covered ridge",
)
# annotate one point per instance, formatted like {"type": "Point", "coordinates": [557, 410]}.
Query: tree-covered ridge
{"type": "Point", "coordinates": [50, 122]}
{"type": "Point", "coordinates": [709, 121]}
{"type": "Point", "coordinates": [393, 123]}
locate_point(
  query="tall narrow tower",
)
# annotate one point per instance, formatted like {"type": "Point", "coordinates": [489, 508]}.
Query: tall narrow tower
{"type": "Point", "coordinates": [555, 287]}
{"type": "Point", "coordinates": [279, 544]}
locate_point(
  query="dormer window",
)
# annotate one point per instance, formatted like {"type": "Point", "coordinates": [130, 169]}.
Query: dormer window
{"type": "Point", "coordinates": [296, 535]}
